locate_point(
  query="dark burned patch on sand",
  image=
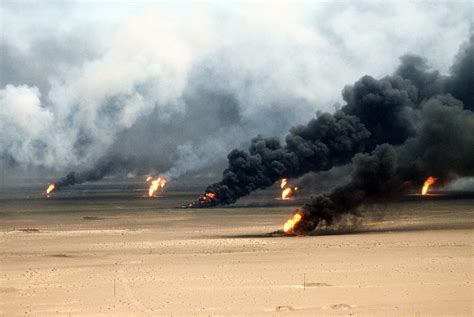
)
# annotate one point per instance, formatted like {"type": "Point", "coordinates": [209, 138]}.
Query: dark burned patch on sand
{"type": "Point", "coordinates": [59, 255]}
{"type": "Point", "coordinates": [317, 284]}
{"type": "Point", "coordinates": [93, 218]}
{"type": "Point", "coordinates": [28, 230]}
{"type": "Point", "coordinates": [284, 308]}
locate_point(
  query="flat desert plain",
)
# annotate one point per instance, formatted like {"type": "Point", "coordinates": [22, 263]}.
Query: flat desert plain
{"type": "Point", "coordinates": [109, 256]}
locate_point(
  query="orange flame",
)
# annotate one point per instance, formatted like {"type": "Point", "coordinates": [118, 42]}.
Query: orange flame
{"type": "Point", "coordinates": [156, 184]}
{"type": "Point", "coordinates": [203, 198]}
{"type": "Point", "coordinates": [50, 189]}
{"type": "Point", "coordinates": [207, 196]}
{"type": "Point", "coordinates": [148, 178]}
{"type": "Point", "coordinates": [426, 185]}
{"type": "Point", "coordinates": [289, 226]}
{"type": "Point", "coordinates": [287, 191]}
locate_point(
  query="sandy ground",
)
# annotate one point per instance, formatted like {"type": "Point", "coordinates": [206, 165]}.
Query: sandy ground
{"type": "Point", "coordinates": [123, 258]}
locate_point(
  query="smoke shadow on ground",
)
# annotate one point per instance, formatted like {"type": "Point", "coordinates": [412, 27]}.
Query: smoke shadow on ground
{"type": "Point", "coordinates": [350, 231]}
{"type": "Point", "coordinates": [407, 228]}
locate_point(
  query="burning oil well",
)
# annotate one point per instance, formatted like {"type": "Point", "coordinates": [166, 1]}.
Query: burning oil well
{"type": "Point", "coordinates": [287, 191]}
{"type": "Point", "coordinates": [397, 131]}
{"type": "Point", "coordinates": [155, 185]}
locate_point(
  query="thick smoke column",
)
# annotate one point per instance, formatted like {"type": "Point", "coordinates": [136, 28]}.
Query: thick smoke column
{"type": "Point", "coordinates": [324, 142]}
{"type": "Point", "coordinates": [374, 177]}
{"type": "Point", "coordinates": [444, 146]}
{"type": "Point", "coordinates": [377, 111]}
{"type": "Point", "coordinates": [395, 109]}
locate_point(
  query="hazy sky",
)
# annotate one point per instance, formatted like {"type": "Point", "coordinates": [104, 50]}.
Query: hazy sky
{"type": "Point", "coordinates": [181, 84]}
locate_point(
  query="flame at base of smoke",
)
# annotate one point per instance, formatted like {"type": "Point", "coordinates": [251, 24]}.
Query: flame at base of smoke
{"type": "Point", "coordinates": [426, 185]}
{"type": "Point", "coordinates": [205, 200]}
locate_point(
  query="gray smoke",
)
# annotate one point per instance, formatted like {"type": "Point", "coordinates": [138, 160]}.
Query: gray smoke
{"type": "Point", "coordinates": [99, 171]}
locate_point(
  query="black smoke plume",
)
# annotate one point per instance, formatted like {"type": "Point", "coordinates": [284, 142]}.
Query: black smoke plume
{"type": "Point", "coordinates": [443, 146]}
{"type": "Point", "coordinates": [414, 123]}
{"type": "Point", "coordinates": [324, 142]}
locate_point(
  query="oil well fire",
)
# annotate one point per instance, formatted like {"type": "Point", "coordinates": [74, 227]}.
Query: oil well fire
{"type": "Point", "coordinates": [395, 131]}
{"type": "Point", "coordinates": [384, 130]}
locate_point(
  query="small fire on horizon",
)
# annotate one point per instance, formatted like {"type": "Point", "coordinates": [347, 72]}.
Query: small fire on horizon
{"type": "Point", "coordinates": [426, 185]}
{"type": "Point", "coordinates": [155, 185]}
{"type": "Point", "coordinates": [51, 187]}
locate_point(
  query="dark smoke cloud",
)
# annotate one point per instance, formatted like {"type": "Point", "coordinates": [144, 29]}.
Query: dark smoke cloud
{"type": "Point", "coordinates": [413, 110]}
{"type": "Point", "coordinates": [443, 147]}
{"type": "Point", "coordinates": [444, 142]}
{"type": "Point", "coordinates": [322, 181]}
{"type": "Point", "coordinates": [426, 83]}
{"type": "Point", "coordinates": [374, 178]}
{"type": "Point", "coordinates": [324, 142]}
{"type": "Point", "coordinates": [462, 81]}
{"type": "Point", "coordinates": [383, 106]}
{"type": "Point", "coordinates": [377, 111]}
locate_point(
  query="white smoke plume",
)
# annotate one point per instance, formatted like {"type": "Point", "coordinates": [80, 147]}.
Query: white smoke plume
{"type": "Point", "coordinates": [173, 88]}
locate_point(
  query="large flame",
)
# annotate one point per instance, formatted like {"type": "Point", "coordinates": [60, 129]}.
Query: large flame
{"type": "Point", "coordinates": [50, 189]}
{"type": "Point", "coordinates": [287, 191]}
{"type": "Point", "coordinates": [289, 226]}
{"type": "Point", "coordinates": [156, 185]}
{"type": "Point", "coordinates": [426, 185]}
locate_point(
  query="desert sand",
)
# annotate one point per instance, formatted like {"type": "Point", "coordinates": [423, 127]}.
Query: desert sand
{"type": "Point", "coordinates": [120, 257]}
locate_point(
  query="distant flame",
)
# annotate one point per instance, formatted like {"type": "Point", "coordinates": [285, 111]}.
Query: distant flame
{"type": "Point", "coordinates": [290, 225]}
{"type": "Point", "coordinates": [50, 189]}
{"type": "Point", "coordinates": [287, 191]}
{"type": "Point", "coordinates": [202, 200]}
{"type": "Point", "coordinates": [207, 196]}
{"type": "Point", "coordinates": [426, 186]}
{"type": "Point", "coordinates": [156, 185]}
